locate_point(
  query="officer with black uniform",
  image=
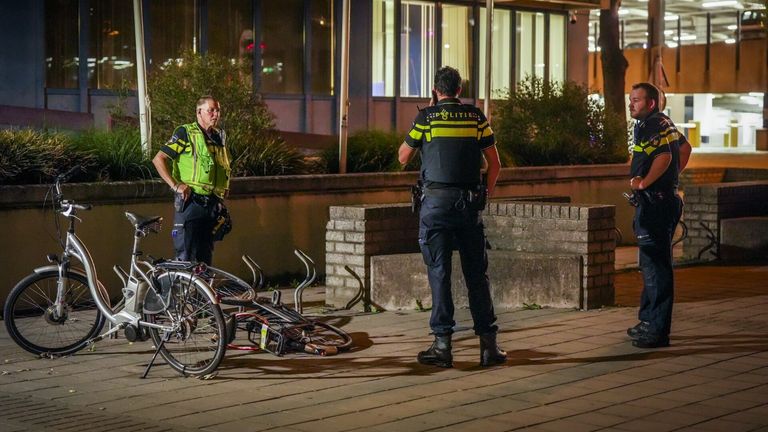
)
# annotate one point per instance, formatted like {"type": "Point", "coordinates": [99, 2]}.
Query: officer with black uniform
{"type": "Point", "coordinates": [660, 152]}
{"type": "Point", "coordinates": [200, 179]}
{"type": "Point", "coordinates": [452, 139]}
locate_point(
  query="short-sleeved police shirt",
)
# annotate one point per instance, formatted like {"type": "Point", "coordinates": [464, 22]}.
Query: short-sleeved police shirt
{"type": "Point", "coordinates": [451, 137]}
{"type": "Point", "coordinates": [180, 144]}
{"type": "Point", "coordinates": [654, 136]}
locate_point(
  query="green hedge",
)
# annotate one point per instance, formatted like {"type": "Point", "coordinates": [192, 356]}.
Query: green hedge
{"type": "Point", "coordinates": [367, 151]}
{"type": "Point", "coordinates": [556, 124]}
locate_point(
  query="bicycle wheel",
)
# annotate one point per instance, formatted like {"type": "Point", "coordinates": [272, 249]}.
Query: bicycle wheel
{"type": "Point", "coordinates": [37, 325]}
{"type": "Point", "coordinates": [317, 337]}
{"type": "Point", "coordinates": [195, 340]}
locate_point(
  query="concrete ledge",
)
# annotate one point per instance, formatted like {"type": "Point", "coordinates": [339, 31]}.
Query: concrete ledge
{"type": "Point", "coordinates": [398, 281]}
{"type": "Point", "coordinates": [744, 238]}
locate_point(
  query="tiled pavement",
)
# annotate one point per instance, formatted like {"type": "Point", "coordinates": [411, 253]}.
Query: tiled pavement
{"type": "Point", "coordinates": [568, 371]}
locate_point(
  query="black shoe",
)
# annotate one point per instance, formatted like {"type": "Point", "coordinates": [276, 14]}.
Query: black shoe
{"type": "Point", "coordinates": [438, 354]}
{"type": "Point", "coordinates": [651, 341]}
{"type": "Point", "coordinates": [640, 329]}
{"type": "Point", "coordinates": [490, 353]}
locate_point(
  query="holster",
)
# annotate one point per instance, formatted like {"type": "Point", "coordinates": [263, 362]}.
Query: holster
{"type": "Point", "coordinates": [417, 195]}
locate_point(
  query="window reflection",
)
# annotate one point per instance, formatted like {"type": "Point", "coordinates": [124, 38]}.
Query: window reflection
{"type": "Point", "coordinates": [322, 55]}
{"type": "Point", "coordinates": [383, 50]}
{"type": "Point", "coordinates": [173, 30]}
{"type": "Point", "coordinates": [458, 27]}
{"type": "Point", "coordinates": [112, 52]}
{"type": "Point", "coordinates": [282, 47]}
{"type": "Point", "coordinates": [230, 33]}
{"type": "Point", "coordinates": [417, 55]}
{"type": "Point", "coordinates": [500, 52]}
{"type": "Point", "coordinates": [61, 45]}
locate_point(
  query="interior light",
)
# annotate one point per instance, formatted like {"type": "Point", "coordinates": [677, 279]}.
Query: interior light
{"type": "Point", "coordinates": [671, 17]}
{"type": "Point", "coordinates": [672, 44]}
{"type": "Point", "coordinates": [756, 94]}
{"type": "Point", "coordinates": [716, 4]}
{"type": "Point", "coordinates": [732, 27]}
{"type": "Point", "coordinates": [730, 41]}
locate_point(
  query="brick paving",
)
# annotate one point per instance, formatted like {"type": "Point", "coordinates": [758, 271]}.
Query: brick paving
{"type": "Point", "coordinates": [568, 371]}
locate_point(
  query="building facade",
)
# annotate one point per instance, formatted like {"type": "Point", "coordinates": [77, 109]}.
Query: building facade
{"type": "Point", "coordinates": [80, 55]}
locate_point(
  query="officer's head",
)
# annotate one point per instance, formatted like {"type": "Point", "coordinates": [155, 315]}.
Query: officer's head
{"type": "Point", "coordinates": [208, 111]}
{"type": "Point", "coordinates": [448, 82]}
{"type": "Point", "coordinates": [644, 100]}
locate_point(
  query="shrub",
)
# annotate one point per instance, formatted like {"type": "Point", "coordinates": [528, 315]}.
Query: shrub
{"type": "Point", "coordinates": [256, 147]}
{"type": "Point", "coordinates": [367, 151]}
{"type": "Point", "coordinates": [556, 124]}
{"type": "Point", "coordinates": [32, 157]}
{"type": "Point", "coordinates": [114, 156]}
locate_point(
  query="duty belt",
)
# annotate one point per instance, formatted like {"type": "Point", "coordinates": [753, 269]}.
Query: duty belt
{"type": "Point", "coordinates": [204, 200]}
{"type": "Point", "coordinates": [446, 193]}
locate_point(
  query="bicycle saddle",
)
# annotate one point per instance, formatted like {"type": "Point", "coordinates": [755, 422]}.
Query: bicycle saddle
{"type": "Point", "coordinates": [141, 222]}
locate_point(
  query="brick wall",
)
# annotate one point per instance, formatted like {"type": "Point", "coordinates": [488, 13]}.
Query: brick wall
{"type": "Point", "coordinates": [585, 230]}
{"type": "Point", "coordinates": [706, 205]}
{"type": "Point", "coordinates": [355, 233]}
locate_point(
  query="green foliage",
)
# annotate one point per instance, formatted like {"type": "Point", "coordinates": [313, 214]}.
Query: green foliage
{"type": "Point", "coordinates": [367, 151]}
{"type": "Point", "coordinates": [114, 155]}
{"type": "Point", "coordinates": [251, 137]}
{"type": "Point", "coordinates": [30, 157]}
{"type": "Point", "coordinates": [556, 124]}
{"type": "Point", "coordinates": [531, 306]}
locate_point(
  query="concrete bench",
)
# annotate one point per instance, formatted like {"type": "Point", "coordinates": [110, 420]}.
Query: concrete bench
{"type": "Point", "coordinates": [400, 281]}
{"type": "Point", "coordinates": [357, 236]}
{"type": "Point", "coordinates": [741, 208]}
{"type": "Point", "coordinates": [744, 238]}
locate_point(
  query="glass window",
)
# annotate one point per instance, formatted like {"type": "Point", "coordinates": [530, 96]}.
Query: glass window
{"type": "Point", "coordinates": [557, 43]}
{"type": "Point", "coordinates": [61, 44]}
{"type": "Point", "coordinates": [500, 52]}
{"type": "Point", "coordinates": [282, 46]}
{"type": "Point", "coordinates": [322, 67]}
{"type": "Point", "coordinates": [112, 52]}
{"type": "Point", "coordinates": [530, 45]}
{"type": "Point", "coordinates": [383, 50]}
{"type": "Point", "coordinates": [230, 32]}
{"type": "Point", "coordinates": [173, 30]}
{"type": "Point", "coordinates": [417, 54]}
{"type": "Point", "coordinates": [458, 27]}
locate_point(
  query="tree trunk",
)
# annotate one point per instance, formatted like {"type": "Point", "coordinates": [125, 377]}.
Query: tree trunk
{"type": "Point", "coordinates": [614, 63]}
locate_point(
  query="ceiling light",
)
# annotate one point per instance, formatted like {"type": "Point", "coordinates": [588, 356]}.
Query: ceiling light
{"type": "Point", "coordinates": [731, 27]}
{"type": "Point", "coordinates": [671, 17]}
{"type": "Point", "coordinates": [716, 4]}
{"type": "Point", "coordinates": [730, 41]}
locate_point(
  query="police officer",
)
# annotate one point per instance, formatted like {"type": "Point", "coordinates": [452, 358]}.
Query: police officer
{"type": "Point", "coordinates": [195, 164]}
{"type": "Point", "coordinates": [452, 139]}
{"type": "Point", "coordinates": [659, 154]}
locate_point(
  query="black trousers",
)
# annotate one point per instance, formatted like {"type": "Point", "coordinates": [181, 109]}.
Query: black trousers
{"type": "Point", "coordinates": [446, 223]}
{"type": "Point", "coordinates": [654, 225]}
{"type": "Point", "coordinates": [192, 227]}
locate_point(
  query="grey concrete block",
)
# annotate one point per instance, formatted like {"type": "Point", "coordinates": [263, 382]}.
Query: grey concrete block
{"type": "Point", "coordinates": [744, 238]}
{"type": "Point", "coordinates": [398, 281]}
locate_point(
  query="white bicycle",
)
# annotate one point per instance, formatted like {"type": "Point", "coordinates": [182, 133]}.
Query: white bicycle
{"type": "Point", "coordinates": [60, 309]}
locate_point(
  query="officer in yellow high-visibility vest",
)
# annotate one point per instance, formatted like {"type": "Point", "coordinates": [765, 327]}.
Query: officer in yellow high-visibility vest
{"type": "Point", "coordinates": [195, 164]}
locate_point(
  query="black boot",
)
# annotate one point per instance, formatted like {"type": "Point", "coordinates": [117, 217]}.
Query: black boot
{"type": "Point", "coordinates": [439, 354]}
{"type": "Point", "coordinates": [490, 353]}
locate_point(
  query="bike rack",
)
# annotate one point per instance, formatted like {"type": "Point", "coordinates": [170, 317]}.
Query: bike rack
{"type": "Point", "coordinates": [684, 235]}
{"type": "Point", "coordinates": [311, 275]}
{"type": "Point", "coordinates": [255, 270]}
{"type": "Point", "coordinates": [713, 243]}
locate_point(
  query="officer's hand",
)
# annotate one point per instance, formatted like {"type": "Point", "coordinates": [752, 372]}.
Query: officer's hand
{"type": "Point", "coordinates": [635, 183]}
{"type": "Point", "coordinates": [184, 190]}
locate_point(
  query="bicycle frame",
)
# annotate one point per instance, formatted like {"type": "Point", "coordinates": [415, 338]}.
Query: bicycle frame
{"type": "Point", "coordinates": [135, 288]}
